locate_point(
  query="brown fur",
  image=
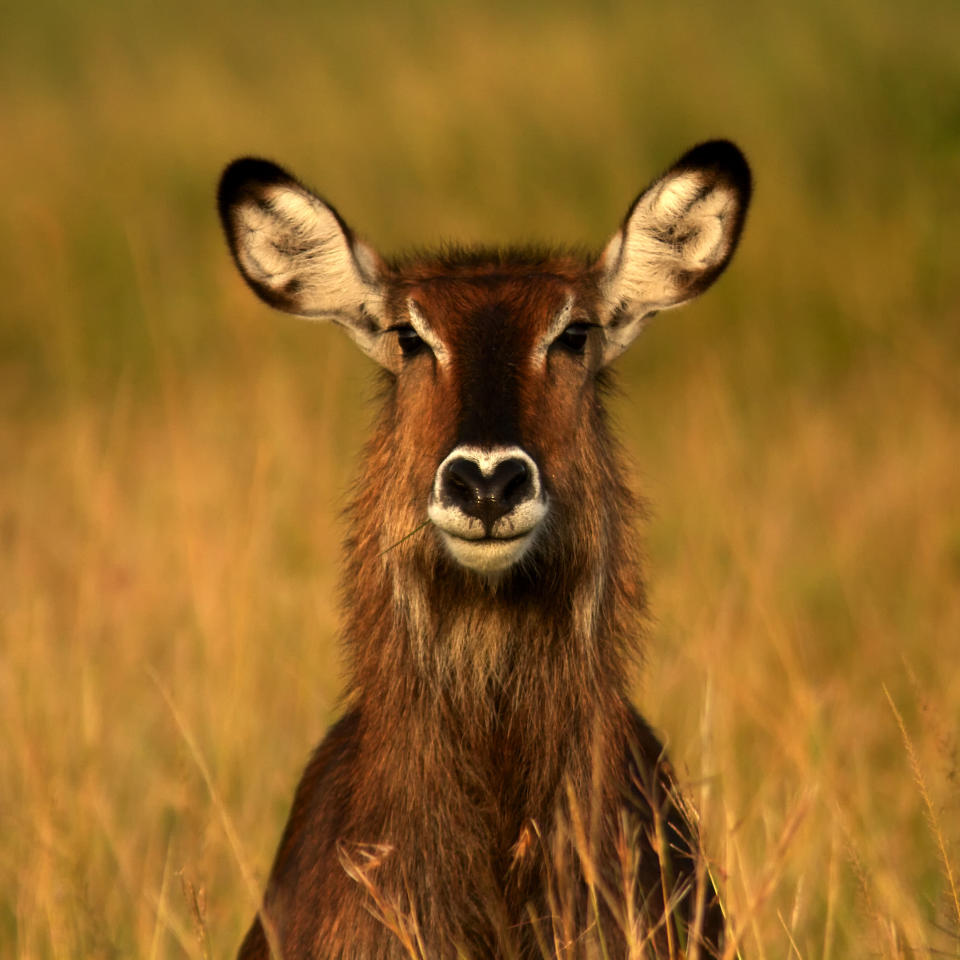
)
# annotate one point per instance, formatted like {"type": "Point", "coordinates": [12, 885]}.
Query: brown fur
{"type": "Point", "coordinates": [489, 792]}
{"type": "Point", "coordinates": [484, 719]}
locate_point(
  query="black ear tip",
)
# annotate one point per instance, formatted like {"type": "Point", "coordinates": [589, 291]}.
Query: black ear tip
{"type": "Point", "coordinates": [724, 159]}
{"type": "Point", "coordinates": [252, 169]}
{"type": "Point", "coordinates": [245, 176]}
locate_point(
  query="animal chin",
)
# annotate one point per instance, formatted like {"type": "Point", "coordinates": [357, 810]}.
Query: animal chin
{"type": "Point", "coordinates": [488, 555]}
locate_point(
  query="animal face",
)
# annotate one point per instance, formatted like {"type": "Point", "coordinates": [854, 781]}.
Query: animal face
{"type": "Point", "coordinates": [494, 421]}
{"type": "Point", "coordinates": [496, 380]}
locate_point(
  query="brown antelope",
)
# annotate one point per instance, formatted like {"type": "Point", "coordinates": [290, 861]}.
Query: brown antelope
{"type": "Point", "coordinates": [489, 791]}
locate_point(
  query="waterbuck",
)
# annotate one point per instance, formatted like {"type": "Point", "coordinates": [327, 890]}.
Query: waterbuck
{"type": "Point", "coordinates": [489, 791]}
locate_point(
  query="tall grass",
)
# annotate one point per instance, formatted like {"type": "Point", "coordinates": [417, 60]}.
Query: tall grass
{"type": "Point", "coordinates": [173, 458]}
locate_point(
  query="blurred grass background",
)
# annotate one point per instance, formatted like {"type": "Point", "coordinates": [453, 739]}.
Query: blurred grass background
{"type": "Point", "coordinates": [173, 457]}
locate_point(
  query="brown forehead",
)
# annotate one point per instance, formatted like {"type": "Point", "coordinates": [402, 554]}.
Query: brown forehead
{"type": "Point", "coordinates": [527, 294]}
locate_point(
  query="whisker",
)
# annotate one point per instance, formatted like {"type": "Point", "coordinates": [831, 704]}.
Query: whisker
{"type": "Point", "coordinates": [406, 536]}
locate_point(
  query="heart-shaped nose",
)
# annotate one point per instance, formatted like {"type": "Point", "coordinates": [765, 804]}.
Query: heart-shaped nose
{"type": "Point", "coordinates": [486, 496]}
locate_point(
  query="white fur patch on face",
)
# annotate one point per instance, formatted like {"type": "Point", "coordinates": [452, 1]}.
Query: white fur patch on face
{"type": "Point", "coordinates": [510, 537]}
{"type": "Point", "coordinates": [487, 556]}
{"type": "Point", "coordinates": [426, 334]}
{"type": "Point", "coordinates": [560, 323]}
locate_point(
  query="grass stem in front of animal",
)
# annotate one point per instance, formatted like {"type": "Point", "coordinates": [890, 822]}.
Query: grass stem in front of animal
{"type": "Point", "coordinates": [406, 536]}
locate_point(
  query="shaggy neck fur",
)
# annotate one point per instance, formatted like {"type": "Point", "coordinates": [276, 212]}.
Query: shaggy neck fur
{"type": "Point", "coordinates": [499, 701]}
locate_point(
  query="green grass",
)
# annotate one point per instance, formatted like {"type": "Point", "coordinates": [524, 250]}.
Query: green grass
{"type": "Point", "coordinates": [173, 457]}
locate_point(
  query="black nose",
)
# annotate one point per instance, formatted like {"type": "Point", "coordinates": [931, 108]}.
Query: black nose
{"type": "Point", "coordinates": [487, 497]}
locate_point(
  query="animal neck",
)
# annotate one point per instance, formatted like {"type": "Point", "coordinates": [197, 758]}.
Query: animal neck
{"type": "Point", "coordinates": [544, 648]}
{"type": "Point", "coordinates": [499, 698]}
{"type": "Point", "coordinates": [427, 637]}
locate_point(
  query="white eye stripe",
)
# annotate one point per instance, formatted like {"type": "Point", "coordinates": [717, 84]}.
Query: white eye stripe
{"type": "Point", "coordinates": [560, 323]}
{"type": "Point", "coordinates": [419, 323]}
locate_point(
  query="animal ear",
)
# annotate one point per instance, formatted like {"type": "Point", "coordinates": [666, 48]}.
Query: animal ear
{"type": "Point", "coordinates": [677, 238]}
{"type": "Point", "coordinates": [298, 255]}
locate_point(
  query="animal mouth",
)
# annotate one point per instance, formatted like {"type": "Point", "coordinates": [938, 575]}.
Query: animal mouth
{"type": "Point", "coordinates": [513, 527]}
{"type": "Point", "coordinates": [491, 538]}
{"type": "Point", "coordinates": [487, 554]}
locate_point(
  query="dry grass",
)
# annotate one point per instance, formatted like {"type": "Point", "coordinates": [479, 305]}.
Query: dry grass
{"type": "Point", "coordinates": [173, 458]}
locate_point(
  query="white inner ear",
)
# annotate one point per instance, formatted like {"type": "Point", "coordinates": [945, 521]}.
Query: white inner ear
{"type": "Point", "coordinates": [678, 230]}
{"type": "Point", "coordinates": [693, 223]}
{"type": "Point", "coordinates": [291, 245]}
{"type": "Point", "coordinates": [293, 238]}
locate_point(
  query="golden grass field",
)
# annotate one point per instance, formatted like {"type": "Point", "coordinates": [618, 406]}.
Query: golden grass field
{"type": "Point", "coordinates": [173, 457]}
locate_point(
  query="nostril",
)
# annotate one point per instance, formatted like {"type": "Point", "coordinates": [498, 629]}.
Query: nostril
{"type": "Point", "coordinates": [486, 494]}
{"type": "Point", "coordinates": [462, 482]}
{"type": "Point", "coordinates": [512, 480]}
{"type": "Point", "coordinates": [459, 485]}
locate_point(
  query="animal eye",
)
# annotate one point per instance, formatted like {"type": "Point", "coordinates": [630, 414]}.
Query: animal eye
{"type": "Point", "coordinates": [410, 342]}
{"type": "Point", "coordinates": [574, 338]}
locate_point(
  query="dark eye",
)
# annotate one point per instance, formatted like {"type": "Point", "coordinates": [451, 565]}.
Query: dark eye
{"type": "Point", "coordinates": [409, 340]}
{"type": "Point", "coordinates": [574, 338]}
